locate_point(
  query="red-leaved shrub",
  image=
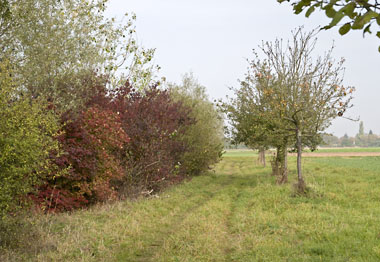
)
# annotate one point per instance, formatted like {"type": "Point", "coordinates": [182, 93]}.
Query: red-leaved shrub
{"type": "Point", "coordinates": [154, 123]}
{"type": "Point", "coordinates": [92, 143]}
{"type": "Point", "coordinates": [121, 141]}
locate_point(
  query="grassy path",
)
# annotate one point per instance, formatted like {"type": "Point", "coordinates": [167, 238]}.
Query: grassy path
{"type": "Point", "coordinates": [236, 213]}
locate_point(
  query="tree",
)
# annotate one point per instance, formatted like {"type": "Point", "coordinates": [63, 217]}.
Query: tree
{"type": "Point", "coordinates": [361, 128]}
{"type": "Point", "coordinates": [308, 90]}
{"type": "Point", "coordinates": [55, 42]}
{"type": "Point", "coordinates": [255, 119]}
{"type": "Point", "coordinates": [330, 140]}
{"type": "Point", "coordinates": [361, 138]}
{"type": "Point", "coordinates": [294, 96]}
{"type": "Point", "coordinates": [357, 14]}
{"type": "Point", "coordinates": [346, 141]}
{"type": "Point", "coordinates": [205, 136]}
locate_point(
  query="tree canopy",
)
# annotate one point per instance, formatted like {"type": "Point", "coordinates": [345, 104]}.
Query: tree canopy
{"type": "Point", "coordinates": [289, 96]}
{"type": "Point", "coordinates": [51, 42]}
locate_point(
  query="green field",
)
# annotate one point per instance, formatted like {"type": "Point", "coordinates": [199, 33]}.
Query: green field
{"type": "Point", "coordinates": [349, 149]}
{"type": "Point", "coordinates": [247, 152]}
{"type": "Point", "coordinates": [235, 213]}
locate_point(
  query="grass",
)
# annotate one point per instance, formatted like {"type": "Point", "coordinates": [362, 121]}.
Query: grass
{"type": "Point", "coordinates": [235, 213]}
{"type": "Point", "coordinates": [248, 152]}
{"type": "Point", "coordinates": [349, 149]}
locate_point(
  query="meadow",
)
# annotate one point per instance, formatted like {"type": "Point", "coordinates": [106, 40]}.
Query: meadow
{"type": "Point", "coordinates": [236, 212]}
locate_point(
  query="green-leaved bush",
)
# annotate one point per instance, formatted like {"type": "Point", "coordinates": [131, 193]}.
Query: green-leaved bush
{"type": "Point", "coordinates": [205, 137]}
{"type": "Point", "coordinates": [27, 129]}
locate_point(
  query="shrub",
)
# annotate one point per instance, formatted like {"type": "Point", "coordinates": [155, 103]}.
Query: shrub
{"type": "Point", "coordinates": [27, 129]}
{"type": "Point", "coordinates": [205, 137]}
{"type": "Point", "coordinates": [92, 143]}
{"type": "Point", "coordinates": [122, 140]}
{"type": "Point", "coordinates": [155, 124]}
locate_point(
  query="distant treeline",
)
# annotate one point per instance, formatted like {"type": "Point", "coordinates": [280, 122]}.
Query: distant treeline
{"type": "Point", "coordinates": [365, 140]}
{"type": "Point", "coordinates": [361, 139]}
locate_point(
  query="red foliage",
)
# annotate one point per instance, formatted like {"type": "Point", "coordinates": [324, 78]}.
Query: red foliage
{"type": "Point", "coordinates": [155, 124]}
{"type": "Point", "coordinates": [122, 138]}
{"type": "Point", "coordinates": [93, 142]}
{"type": "Point", "coordinates": [57, 200]}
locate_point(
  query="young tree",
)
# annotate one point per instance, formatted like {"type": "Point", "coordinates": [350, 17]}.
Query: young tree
{"type": "Point", "coordinates": [359, 15]}
{"type": "Point", "coordinates": [255, 118]}
{"type": "Point", "coordinates": [308, 91]}
{"type": "Point", "coordinates": [361, 128]}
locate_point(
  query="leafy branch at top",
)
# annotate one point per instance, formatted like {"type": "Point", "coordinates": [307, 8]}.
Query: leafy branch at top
{"type": "Point", "coordinates": [357, 14]}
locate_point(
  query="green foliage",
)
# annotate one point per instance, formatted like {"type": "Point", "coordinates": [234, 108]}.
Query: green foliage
{"type": "Point", "coordinates": [50, 42]}
{"type": "Point", "coordinates": [27, 129]}
{"type": "Point", "coordinates": [307, 90]}
{"type": "Point", "coordinates": [4, 11]}
{"type": "Point", "coordinates": [255, 120]}
{"type": "Point", "coordinates": [205, 137]}
{"type": "Point", "coordinates": [360, 140]}
{"type": "Point", "coordinates": [359, 15]}
{"type": "Point", "coordinates": [288, 97]}
{"type": "Point", "coordinates": [361, 128]}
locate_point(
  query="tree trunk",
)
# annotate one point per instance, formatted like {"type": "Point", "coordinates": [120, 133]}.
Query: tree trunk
{"type": "Point", "coordinates": [301, 183]}
{"type": "Point", "coordinates": [275, 162]}
{"type": "Point", "coordinates": [262, 157]}
{"type": "Point", "coordinates": [283, 178]}
{"type": "Point", "coordinates": [280, 165]}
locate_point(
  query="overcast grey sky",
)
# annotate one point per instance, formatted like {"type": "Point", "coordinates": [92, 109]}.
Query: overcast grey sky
{"type": "Point", "coordinates": [213, 39]}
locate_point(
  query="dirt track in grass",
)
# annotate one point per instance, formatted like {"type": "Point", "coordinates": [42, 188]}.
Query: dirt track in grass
{"type": "Point", "coordinates": [337, 154]}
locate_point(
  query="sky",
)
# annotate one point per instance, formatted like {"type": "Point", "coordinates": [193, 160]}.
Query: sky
{"type": "Point", "coordinates": [214, 38]}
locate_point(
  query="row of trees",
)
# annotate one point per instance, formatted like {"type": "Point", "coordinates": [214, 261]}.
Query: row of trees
{"type": "Point", "coordinates": [287, 100]}
{"type": "Point", "coordinates": [83, 118]}
{"type": "Point", "coordinates": [361, 139]}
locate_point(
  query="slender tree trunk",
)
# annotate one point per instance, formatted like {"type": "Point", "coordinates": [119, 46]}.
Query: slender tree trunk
{"type": "Point", "coordinates": [282, 159]}
{"type": "Point", "coordinates": [264, 162]}
{"type": "Point", "coordinates": [284, 166]}
{"type": "Point", "coordinates": [262, 156]}
{"type": "Point", "coordinates": [275, 162]}
{"type": "Point", "coordinates": [301, 182]}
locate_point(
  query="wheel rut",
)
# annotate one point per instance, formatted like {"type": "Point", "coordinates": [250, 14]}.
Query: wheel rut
{"type": "Point", "coordinates": [148, 252]}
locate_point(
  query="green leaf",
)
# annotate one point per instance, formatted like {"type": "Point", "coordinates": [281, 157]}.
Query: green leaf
{"type": "Point", "coordinates": [349, 10]}
{"type": "Point", "coordinates": [378, 34]}
{"type": "Point", "coordinates": [309, 11]}
{"type": "Point", "coordinates": [367, 30]}
{"type": "Point", "coordinates": [378, 20]}
{"type": "Point", "coordinates": [330, 11]}
{"type": "Point", "coordinates": [338, 16]}
{"type": "Point", "coordinates": [345, 28]}
{"type": "Point", "coordinates": [299, 7]}
{"type": "Point", "coordinates": [360, 21]}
